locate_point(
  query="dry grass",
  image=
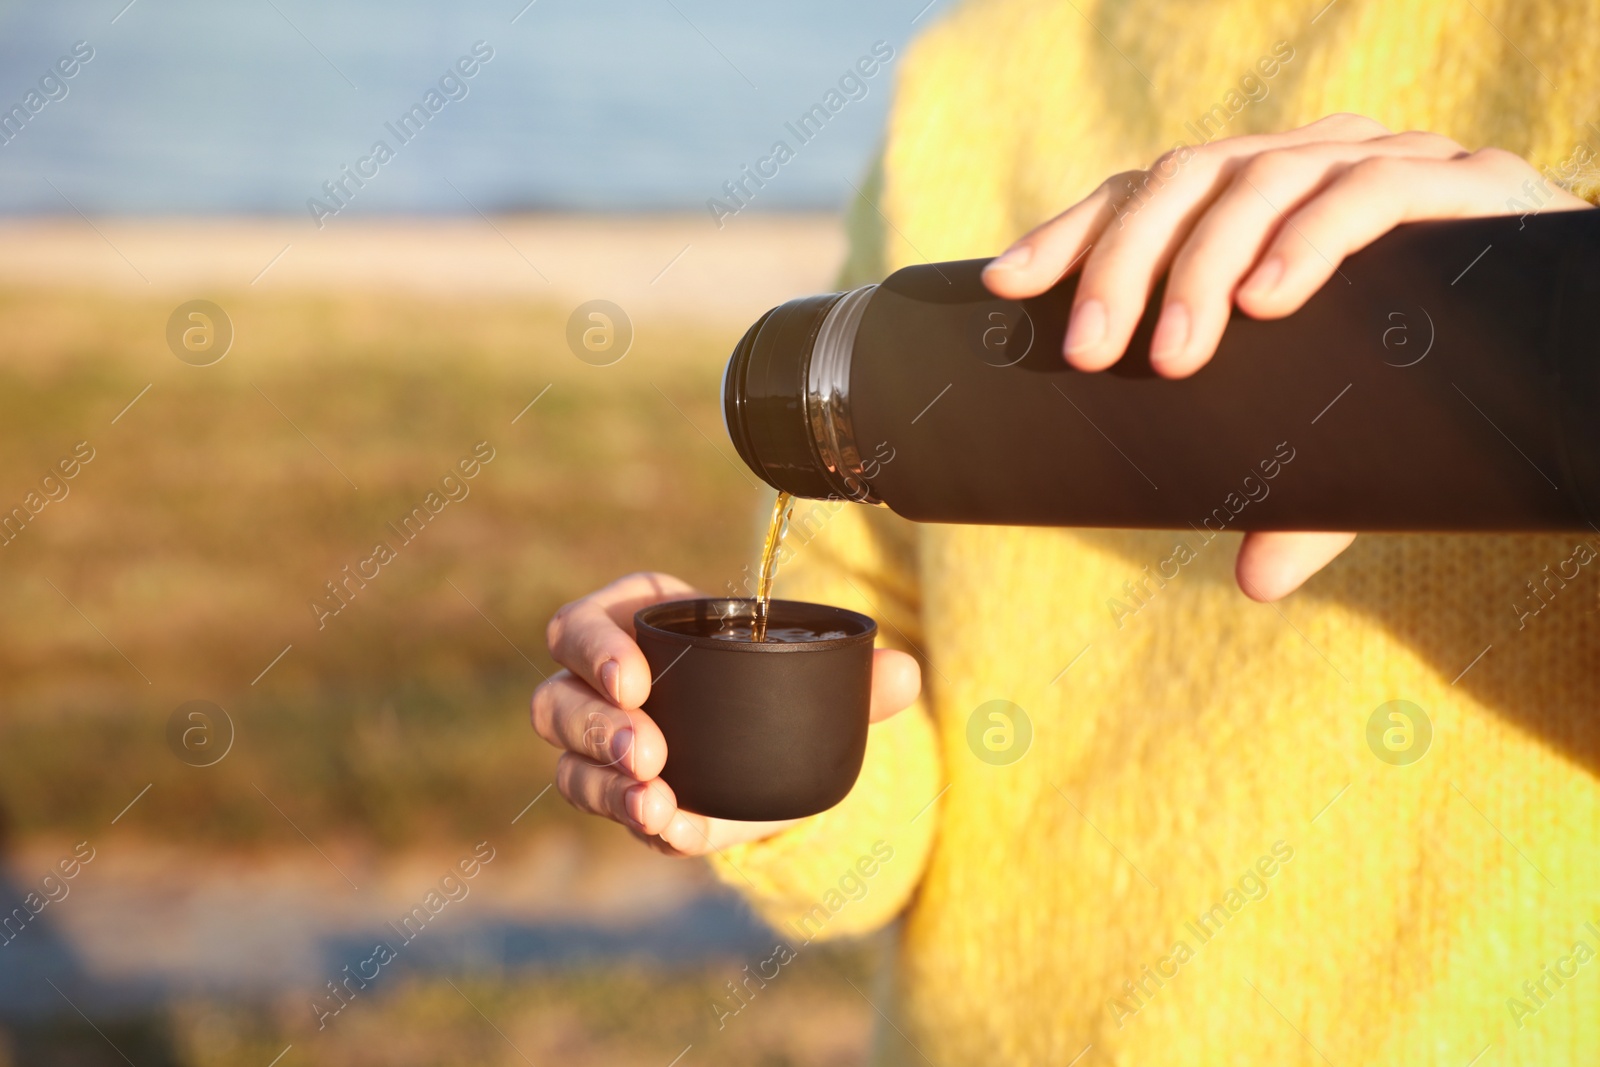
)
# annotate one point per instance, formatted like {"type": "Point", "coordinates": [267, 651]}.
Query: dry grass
{"type": "Point", "coordinates": [215, 509]}
{"type": "Point", "coordinates": [182, 562]}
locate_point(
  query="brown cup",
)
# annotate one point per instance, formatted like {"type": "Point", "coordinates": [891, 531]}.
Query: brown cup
{"type": "Point", "coordinates": [758, 730]}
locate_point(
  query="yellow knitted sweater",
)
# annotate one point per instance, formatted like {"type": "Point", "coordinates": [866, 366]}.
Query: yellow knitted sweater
{"type": "Point", "coordinates": [1218, 845]}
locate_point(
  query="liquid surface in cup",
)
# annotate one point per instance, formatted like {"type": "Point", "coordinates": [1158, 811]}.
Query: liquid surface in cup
{"type": "Point", "coordinates": [735, 621]}
{"type": "Point", "coordinates": [744, 630]}
{"type": "Point", "coordinates": [782, 508]}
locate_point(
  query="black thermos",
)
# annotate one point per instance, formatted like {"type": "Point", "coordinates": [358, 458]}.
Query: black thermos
{"type": "Point", "coordinates": [1446, 378]}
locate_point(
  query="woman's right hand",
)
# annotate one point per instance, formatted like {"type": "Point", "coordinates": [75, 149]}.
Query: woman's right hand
{"type": "Point", "coordinates": [612, 754]}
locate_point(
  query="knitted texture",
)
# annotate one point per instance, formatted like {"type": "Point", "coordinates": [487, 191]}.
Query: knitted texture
{"type": "Point", "coordinates": [1202, 858]}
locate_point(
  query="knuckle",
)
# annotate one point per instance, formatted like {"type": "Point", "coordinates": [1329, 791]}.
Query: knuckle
{"type": "Point", "coordinates": [1168, 165]}
{"type": "Point", "coordinates": [1142, 183]}
{"type": "Point", "coordinates": [1429, 141]}
{"type": "Point", "coordinates": [1128, 193]}
{"type": "Point", "coordinates": [1351, 122]}
{"type": "Point", "coordinates": [657, 582]}
{"type": "Point", "coordinates": [578, 781]}
{"type": "Point", "coordinates": [541, 712]}
{"type": "Point", "coordinates": [656, 842]}
{"type": "Point", "coordinates": [1187, 275]}
{"type": "Point", "coordinates": [1121, 183]}
{"type": "Point", "coordinates": [1207, 154]}
{"type": "Point", "coordinates": [568, 783]}
{"type": "Point", "coordinates": [557, 630]}
{"type": "Point", "coordinates": [1379, 170]}
{"type": "Point", "coordinates": [595, 740]}
{"type": "Point", "coordinates": [1498, 159]}
{"type": "Point", "coordinates": [605, 800]}
{"type": "Point", "coordinates": [1268, 168]}
{"type": "Point", "coordinates": [615, 792]}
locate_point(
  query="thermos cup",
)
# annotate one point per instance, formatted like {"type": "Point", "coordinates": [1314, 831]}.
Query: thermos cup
{"type": "Point", "coordinates": [758, 730]}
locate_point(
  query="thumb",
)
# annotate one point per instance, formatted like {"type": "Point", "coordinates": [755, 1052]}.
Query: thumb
{"type": "Point", "coordinates": [1273, 564]}
{"type": "Point", "coordinates": [896, 681]}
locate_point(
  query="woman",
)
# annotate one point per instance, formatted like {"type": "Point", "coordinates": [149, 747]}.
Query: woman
{"type": "Point", "coordinates": [1362, 826]}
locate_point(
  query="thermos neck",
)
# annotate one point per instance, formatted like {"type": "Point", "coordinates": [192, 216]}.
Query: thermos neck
{"type": "Point", "coordinates": [786, 397]}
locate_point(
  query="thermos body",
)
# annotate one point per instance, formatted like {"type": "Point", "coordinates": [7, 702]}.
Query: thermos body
{"type": "Point", "coordinates": [1445, 378]}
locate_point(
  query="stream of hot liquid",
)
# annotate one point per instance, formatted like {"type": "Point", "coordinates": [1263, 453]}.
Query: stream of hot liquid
{"type": "Point", "coordinates": [781, 510]}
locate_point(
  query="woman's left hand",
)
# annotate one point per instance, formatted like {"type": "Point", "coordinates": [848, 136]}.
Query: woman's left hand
{"type": "Point", "coordinates": [1261, 222]}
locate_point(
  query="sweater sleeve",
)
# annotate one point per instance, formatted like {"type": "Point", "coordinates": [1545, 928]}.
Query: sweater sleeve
{"type": "Point", "coordinates": [851, 869]}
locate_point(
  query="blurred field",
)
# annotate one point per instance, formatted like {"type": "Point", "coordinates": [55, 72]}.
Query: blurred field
{"type": "Point", "coordinates": [215, 509]}
{"type": "Point", "coordinates": [378, 748]}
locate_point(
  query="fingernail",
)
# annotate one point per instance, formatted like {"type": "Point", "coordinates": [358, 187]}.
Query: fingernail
{"type": "Point", "coordinates": [622, 746]}
{"type": "Point", "coordinates": [1012, 258]}
{"type": "Point", "coordinates": [1172, 333]}
{"type": "Point", "coordinates": [609, 670]}
{"type": "Point", "coordinates": [633, 804]}
{"type": "Point", "coordinates": [1087, 328]}
{"type": "Point", "coordinates": [1265, 279]}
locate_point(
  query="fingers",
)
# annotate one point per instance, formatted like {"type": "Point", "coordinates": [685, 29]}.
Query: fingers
{"type": "Point", "coordinates": [1123, 213]}
{"type": "Point", "coordinates": [605, 791]}
{"type": "Point", "coordinates": [1120, 271]}
{"type": "Point", "coordinates": [1044, 255]}
{"type": "Point", "coordinates": [896, 681]}
{"type": "Point", "coordinates": [570, 715]}
{"type": "Point", "coordinates": [1228, 238]}
{"type": "Point", "coordinates": [593, 636]}
{"type": "Point", "coordinates": [1370, 198]}
{"type": "Point", "coordinates": [1272, 565]}
{"type": "Point", "coordinates": [650, 810]}
{"type": "Point", "coordinates": [688, 834]}
{"type": "Point", "coordinates": [1153, 222]}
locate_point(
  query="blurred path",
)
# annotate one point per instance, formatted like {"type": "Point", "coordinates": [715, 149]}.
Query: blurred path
{"type": "Point", "coordinates": [146, 922]}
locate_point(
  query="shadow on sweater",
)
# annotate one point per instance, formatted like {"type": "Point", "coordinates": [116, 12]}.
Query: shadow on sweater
{"type": "Point", "coordinates": [1531, 601]}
